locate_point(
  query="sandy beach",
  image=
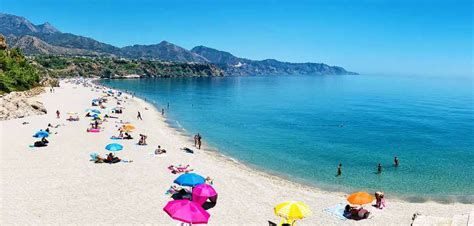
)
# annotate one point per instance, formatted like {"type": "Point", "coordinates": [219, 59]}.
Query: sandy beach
{"type": "Point", "coordinates": [58, 184]}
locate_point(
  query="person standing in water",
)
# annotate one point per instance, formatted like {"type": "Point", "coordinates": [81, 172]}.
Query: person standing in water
{"type": "Point", "coordinates": [168, 106]}
{"type": "Point", "coordinates": [396, 162]}
{"type": "Point", "coordinates": [162, 112]}
{"type": "Point", "coordinates": [339, 169]}
{"type": "Point", "coordinates": [379, 168]}
{"type": "Point", "coordinates": [139, 116]}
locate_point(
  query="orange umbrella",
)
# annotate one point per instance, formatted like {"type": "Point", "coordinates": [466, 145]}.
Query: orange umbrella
{"type": "Point", "coordinates": [128, 127]}
{"type": "Point", "coordinates": [360, 198]}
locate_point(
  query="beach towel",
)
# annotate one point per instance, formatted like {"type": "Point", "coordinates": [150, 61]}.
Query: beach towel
{"type": "Point", "coordinates": [93, 156]}
{"type": "Point", "coordinates": [337, 211]}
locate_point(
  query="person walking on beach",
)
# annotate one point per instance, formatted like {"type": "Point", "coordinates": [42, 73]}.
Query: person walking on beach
{"type": "Point", "coordinates": [379, 168]}
{"type": "Point", "coordinates": [396, 162]}
{"type": "Point", "coordinates": [162, 111]}
{"type": "Point", "coordinates": [199, 140]}
{"type": "Point", "coordinates": [57, 113]}
{"type": "Point", "coordinates": [139, 116]}
{"type": "Point", "coordinates": [195, 140]}
{"type": "Point", "coordinates": [339, 170]}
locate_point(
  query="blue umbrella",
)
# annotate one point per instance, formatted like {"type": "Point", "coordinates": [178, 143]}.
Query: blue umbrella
{"type": "Point", "coordinates": [114, 147]}
{"type": "Point", "coordinates": [190, 179]}
{"type": "Point", "coordinates": [95, 111]}
{"type": "Point", "coordinates": [41, 134]}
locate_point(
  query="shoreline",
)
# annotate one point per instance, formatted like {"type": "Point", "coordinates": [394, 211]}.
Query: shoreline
{"type": "Point", "coordinates": [58, 184]}
{"type": "Point", "coordinates": [287, 179]}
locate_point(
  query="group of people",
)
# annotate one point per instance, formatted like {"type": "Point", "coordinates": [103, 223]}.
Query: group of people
{"type": "Point", "coordinates": [110, 158]}
{"type": "Point", "coordinates": [122, 135]}
{"type": "Point", "coordinates": [396, 163]}
{"type": "Point", "coordinates": [197, 141]}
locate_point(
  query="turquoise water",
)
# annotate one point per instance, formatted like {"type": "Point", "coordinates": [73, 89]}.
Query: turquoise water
{"type": "Point", "coordinates": [301, 127]}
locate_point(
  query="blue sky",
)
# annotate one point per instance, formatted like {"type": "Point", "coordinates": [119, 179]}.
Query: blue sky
{"type": "Point", "coordinates": [418, 37]}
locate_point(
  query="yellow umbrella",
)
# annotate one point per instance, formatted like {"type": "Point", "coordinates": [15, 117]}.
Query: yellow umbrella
{"type": "Point", "coordinates": [360, 198]}
{"type": "Point", "coordinates": [292, 210]}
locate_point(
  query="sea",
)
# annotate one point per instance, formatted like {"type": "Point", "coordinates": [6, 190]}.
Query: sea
{"type": "Point", "coordinates": [300, 127]}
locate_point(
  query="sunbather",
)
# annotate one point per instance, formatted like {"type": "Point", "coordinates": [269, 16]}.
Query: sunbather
{"type": "Point", "coordinates": [120, 136]}
{"type": "Point", "coordinates": [179, 169]}
{"type": "Point", "coordinates": [356, 213]}
{"type": "Point", "coordinates": [188, 150]}
{"type": "Point", "coordinates": [159, 150]}
{"type": "Point", "coordinates": [127, 136]}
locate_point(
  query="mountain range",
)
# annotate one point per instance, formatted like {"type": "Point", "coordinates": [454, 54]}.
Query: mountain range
{"type": "Point", "coordinates": [45, 39]}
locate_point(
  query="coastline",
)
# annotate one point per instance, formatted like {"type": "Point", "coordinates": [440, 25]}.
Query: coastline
{"type": "Point", "coordinates": [241, 187]}
{"type": "Point", "coordinates": [287, 179]}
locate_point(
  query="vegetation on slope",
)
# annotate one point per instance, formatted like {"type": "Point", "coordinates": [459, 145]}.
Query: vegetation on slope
{"type": "Point", "coordinates": [16, 73]}
{"type": "Point", "coordinates": [61, 66]}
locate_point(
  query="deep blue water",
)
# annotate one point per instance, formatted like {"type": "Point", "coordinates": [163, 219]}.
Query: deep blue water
{"type": "Point", "coordinates": [301, 127]}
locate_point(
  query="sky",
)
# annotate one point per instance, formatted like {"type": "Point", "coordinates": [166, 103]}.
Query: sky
{"type": "Point", "coordinates": [417, 37]}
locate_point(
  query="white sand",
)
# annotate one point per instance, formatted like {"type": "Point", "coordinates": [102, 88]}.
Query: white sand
{"type": "Point", "coordinates": [58, 184]}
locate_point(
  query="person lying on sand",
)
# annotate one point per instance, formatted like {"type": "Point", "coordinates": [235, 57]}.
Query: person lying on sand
{"type": "Point", "coordinates": [179, 169]}
{"type": "Point", "coordinates": [356, 213]}
{"type": "Point", "coordinates": [111, 158]}
{"type": "Point", "coordinates": [41, 143]}
{"type": "Point", "coordinates": [159, 150]}
{"type": "Point", "coordinates": [99, 159]}
{"type": "Point", "coordinates": [120, 136]}
{"type": "Point", "coordinates": [108, 116]}
{"type": "Point", "coordinates": [188, 150]}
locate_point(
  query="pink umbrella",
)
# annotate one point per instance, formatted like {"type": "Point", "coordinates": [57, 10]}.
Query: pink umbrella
{"type": "Point", "coordinates": [187, 211]}
{"type": "Point", "coordinates": [202, 192]}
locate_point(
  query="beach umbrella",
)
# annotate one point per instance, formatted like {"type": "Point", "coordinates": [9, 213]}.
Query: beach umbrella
{"type": "Point", "coordinates": [292, 210]}
{"type": "Point", "coordinates": [128, 127]}
{"type": "Point", "coordinates": [186, 211]}
{"type": "Point", "coordinates": [114, 147]}
{"type": "Point", "coordinates": [95, 111]}
{"type": "Point", "coordinates": [190, 179]}
{"type": "Point", "coordinates": [41, 134]}
{"type": "Point", "coordinates": [360, 198]}
{"type": "Point", "coordinates": [202, 192]}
